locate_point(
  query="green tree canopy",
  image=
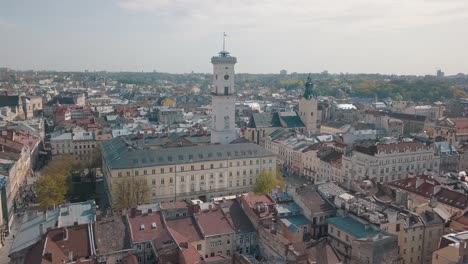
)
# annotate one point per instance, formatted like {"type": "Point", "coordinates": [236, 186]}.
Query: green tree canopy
{"type": "Point", "coordinates": [266, 181]}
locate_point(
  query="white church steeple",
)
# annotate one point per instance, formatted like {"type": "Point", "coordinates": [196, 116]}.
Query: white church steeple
{"type": "Point", "coordinates": [223, 100]}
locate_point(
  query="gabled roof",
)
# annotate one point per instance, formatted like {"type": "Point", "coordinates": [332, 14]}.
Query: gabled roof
{"type": "Point", "coordinates": [212, 222]}
{"type": "Point", "coordinates": [290, 120]}
{"type": "Point", "coordinates": [186, 228]}
{"type": "Point", "coordinates": [61, 244]}
{"type": "Point", "coordinates": [427, 188]}
{"type": "Point", "coordinates": [149, 227]}
{"type": "Point", "coordinates": [266, 119]}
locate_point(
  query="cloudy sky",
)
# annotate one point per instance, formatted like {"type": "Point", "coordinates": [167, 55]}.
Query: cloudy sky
{"type": "Point", "coordinates": [371, 36]}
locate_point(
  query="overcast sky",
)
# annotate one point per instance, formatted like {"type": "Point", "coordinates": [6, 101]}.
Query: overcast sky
{"type": "Point", "coordinates": [356, 36]}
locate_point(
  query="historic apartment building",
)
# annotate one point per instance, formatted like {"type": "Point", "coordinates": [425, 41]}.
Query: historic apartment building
{"type": "Point", "coordinates": [15, 162]}
{"type": "Point", "coordinates": [80, 145]}
{"type": "Point", "coordinates": [193, 172]}
{"type": "Point", "coordinates": [388, 162]}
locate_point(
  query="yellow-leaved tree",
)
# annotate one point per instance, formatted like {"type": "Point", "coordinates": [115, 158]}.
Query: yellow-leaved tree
{"type": "Point", "coordinates": [55, 182]}
{"type": "Point", "coordinates": [267, 180]}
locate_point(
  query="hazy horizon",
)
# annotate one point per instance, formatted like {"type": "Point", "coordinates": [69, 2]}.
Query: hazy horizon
{"type": "Point", "coordinates": [363, 36]}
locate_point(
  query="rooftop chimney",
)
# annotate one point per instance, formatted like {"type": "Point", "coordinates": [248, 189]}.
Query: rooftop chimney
{"type": "Point", "coordinates": [419, 181]}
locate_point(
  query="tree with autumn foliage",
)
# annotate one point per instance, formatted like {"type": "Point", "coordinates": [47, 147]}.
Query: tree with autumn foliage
{"type": "Point", "coordinates": [267, 180]}
{"type": "Point", "coordinates": [55, 182]}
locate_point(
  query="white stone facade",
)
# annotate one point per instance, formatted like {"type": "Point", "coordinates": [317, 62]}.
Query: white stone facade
{"type": "Point", "coordinates": [223, 100]}
{"type": "Point", "coordinates": [389, 162]}
{"type": "Point", "coordinates": [308, 114]}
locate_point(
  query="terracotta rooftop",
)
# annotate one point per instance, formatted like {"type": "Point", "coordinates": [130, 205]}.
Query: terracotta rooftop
{"type": "Point", "coordinates": [313, 200]}
{"type": "Point", "coordinates": [185, 227]}
{"type": "Point", "coordinates": [149, 227]}
{"type": "Point", "coordinates": [461, 124]}
{"type": "Point", "coordinates": [59, 245]}
{"type": "Point", "coordinates": [213, 222]}
{"type": "Point", "coordinates": [253, 199]}
{"type": "Point", "coordinates": [427, 187]}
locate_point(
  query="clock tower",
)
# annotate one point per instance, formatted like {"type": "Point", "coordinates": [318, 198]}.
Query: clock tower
{"type": "Point", "coordinates": [223, 98]}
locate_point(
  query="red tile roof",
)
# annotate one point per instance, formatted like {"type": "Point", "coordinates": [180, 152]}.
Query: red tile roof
{"type": "Point", "coordinates": [213, 222]}
{"type": "Point", "coordinates": [186, 227]}
{"type": "Point", "coordinates": [430, 188]}
{"type": "Point", "coordinates": [461, 124]}
{"type": "Point", "coordinates": [253, 199]}
{"type": "Point", "coordinates": [60, 244]}
{"type": "Point", "coordinates": [158, 235]}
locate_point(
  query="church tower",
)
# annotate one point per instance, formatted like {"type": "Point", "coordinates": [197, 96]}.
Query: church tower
{"type": "Point", "coordinates": [223, 100]}
{"type": "Point", "coordinates": [308, 108]}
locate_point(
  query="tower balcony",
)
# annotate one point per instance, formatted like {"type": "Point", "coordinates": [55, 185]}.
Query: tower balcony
{"type": "Point", "coordinates": [223, 58]}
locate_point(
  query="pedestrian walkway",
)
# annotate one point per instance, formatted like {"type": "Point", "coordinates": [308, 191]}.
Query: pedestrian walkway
{"type": "Point", "coordinates": [5, 250]}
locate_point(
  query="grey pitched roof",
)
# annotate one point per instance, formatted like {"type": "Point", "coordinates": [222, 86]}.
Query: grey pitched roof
{"type": "Point", "coordinates": [291, 121]}
{"type": "Point", "coordinates": [266, 119]}
{"type": "Point", "coordinates": [118, 155]}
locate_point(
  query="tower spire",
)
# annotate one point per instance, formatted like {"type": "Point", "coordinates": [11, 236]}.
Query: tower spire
{"type": "Point", "coordinates": [308, 88]}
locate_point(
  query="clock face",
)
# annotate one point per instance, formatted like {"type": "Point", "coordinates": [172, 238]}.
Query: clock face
{"type": "Point", "coordinates": [226, 77]}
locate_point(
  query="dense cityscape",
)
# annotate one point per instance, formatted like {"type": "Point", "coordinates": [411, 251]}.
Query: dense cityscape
{"type": "Point", "coordinates": [135, 167]}
{"type": "Point", "coordinates": [233, 132]}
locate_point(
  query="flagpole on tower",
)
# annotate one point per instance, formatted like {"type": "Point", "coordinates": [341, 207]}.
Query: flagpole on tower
{"type": "Point", "coordinates": [224, 41]}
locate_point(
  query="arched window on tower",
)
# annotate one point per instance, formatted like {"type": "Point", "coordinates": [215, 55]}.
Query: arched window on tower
{"type": "Point", "coordinates": [311, 113]}
{"type": "Point", "coordinates": [226, 122]}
